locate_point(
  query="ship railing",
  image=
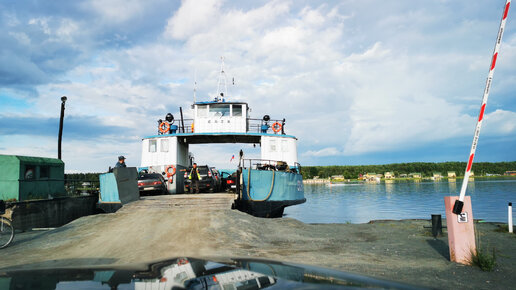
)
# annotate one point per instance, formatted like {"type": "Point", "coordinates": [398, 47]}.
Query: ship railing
{"type": "Point", "coordinates": [266, 164]}
{"type": "Point", "coordinates": [253, 126]}
{"type": "Point", "coordinates": [180, 126]}
{"type": "Point", "coordinates": [266, 127]}
{"type": "Point", "coordinates": [76, 187]}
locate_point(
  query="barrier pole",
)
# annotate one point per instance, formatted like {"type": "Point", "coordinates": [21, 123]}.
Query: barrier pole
{"type": "Point", "coordinates": [457, 207]}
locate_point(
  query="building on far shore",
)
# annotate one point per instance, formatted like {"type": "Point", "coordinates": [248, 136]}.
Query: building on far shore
{"type": "Point", "coordinates": [415, 175]}
{"type": "Point", "coordinates": [511, 173]}
{"type": "Point", "coordinates": [437, 175]}
{"type": "Point", "coordinates": [451, 174]}
{"type": "Point", "coordinates": [403, 175]}
{"type": "Point", "coordinates": [388, 175]}
{"type": "Point", "coordinates": [369, 175]}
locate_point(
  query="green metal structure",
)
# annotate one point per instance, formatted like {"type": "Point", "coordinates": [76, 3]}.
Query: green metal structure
{"type": "Point", "coordinates": [27, 178]}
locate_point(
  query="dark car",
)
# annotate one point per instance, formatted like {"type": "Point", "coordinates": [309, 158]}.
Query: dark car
{"type": "Point", "coordinates": [218, 181]}
{"type": "Point", "coordinates": [223, 180]}
{"type": "Point", "coordinates": [151, 183]}
{"type": "Point", "coordinates": [231, 182]}
{"type": "Point", "coordinates": [207, 183]}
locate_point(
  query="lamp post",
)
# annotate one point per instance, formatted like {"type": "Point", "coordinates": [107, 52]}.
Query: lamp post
{"type": "Point", "coordinates": [60, 136]}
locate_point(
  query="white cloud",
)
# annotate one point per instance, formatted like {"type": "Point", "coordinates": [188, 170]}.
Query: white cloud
{"type": "Point", "coordinates": [193, 17]}
{"type": "Point", "coordinates": [10, 19]}
{"type": "Point", "coordinates": [117, 10]}
{"type": "Point", "coordinates": [374, 53]}
{"type": "Point", "coordinates": [42, 23]}
{"type": "Point", "coordinates": [499, 122]}
{"type": "Point", "coordinates": [312, 17]}
{"type": "Point", "coordinates": [329, 151]}
{"type": "Point", "coordinates": [67, 28]}
{"type": "Point", "coordinates": [21, 37]}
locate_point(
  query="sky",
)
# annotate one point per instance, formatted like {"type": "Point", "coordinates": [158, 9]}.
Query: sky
{"type": "Point", "coordinates": [359, 82]}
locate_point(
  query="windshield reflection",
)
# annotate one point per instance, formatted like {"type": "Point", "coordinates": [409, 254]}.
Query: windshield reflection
{"type": "Point", "coordinates": [190, 273]}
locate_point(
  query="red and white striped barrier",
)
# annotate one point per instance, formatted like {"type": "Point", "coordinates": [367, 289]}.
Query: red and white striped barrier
{"type": "Point", "coordinates": [457, 208]}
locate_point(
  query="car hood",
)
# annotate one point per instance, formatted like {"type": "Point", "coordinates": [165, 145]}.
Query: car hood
{"type": "Point", "coordinates": [192, 273]}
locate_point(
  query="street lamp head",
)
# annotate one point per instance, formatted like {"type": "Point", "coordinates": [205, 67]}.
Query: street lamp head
{"type": "Point", "coordinates": [63, 99]}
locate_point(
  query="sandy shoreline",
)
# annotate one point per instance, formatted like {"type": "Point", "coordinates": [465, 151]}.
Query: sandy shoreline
{"type": "Point", "coordinates": [402, 251]}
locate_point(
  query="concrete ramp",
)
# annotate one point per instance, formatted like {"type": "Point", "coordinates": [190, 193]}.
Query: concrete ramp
{"type": "Point", "coordinates": [211, 201]}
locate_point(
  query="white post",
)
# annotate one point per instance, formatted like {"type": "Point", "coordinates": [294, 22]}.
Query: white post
{"type": "Point", "coordinates": [509, 212]}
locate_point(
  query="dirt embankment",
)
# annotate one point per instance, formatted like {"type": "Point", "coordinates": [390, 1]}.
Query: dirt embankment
{"type": "Point", "coordinates": [396, 250]}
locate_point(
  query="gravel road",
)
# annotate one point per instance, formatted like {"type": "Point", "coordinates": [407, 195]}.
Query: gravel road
{"type": "Point", "coordinates": [396, 250]}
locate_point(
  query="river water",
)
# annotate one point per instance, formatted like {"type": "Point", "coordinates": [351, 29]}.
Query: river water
{"type": "Point", "coordinates": [362, 202]}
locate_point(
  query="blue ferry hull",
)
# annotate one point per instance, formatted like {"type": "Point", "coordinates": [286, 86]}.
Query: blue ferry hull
{"type": "Point", "coordinates": [266, 193]}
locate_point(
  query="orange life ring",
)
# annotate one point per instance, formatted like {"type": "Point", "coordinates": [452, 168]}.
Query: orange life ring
{"type": "Point", "coordinates": [167, 170]}
{"type": "Point", "coordinates": [276, 127]}
{"type": "Point", "coordinates": [164, 127]}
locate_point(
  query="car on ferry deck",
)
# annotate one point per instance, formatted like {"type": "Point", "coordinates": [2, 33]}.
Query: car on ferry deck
{"type": "Point", "coordinates": [218, 181]}
{"type": "Point", "coordinates": [207, 183]}
{"type": "Point", "coordinates": [231, 183]}
{"type": "Point", "coordinates": [151, 183]}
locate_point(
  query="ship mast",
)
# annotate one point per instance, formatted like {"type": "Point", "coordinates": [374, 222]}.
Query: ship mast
{"type": "Point", "coordinates": [222, 78]}
{"type": "Point", "coordinates": [195, 86]}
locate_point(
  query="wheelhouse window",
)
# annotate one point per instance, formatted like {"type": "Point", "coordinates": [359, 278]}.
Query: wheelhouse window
{"type": "Point", "coordinates": [284, 145]}
{"type": "Point", "coordinates": [152, 145]}
{"type": "Point", "coordinates": [164, 145]}
{"type": "Point", "coordinates": [273, 146]}
{"type": "Point", "coordinates": [202, 111]}
{"type": "Point", "coordinates": [219, 110]}
{"type": "Point", "coordinates": [237, 110]}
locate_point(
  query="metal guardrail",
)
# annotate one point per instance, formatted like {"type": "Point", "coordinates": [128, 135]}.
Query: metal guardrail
{"type": "Point", "coordinates": [182, 127]}
{"type": "Point", "coordinates": [261, 126]}
{"type": "Point", "coordinates": [76, 187]}
{"type": "Point", "coordinates": [265, 164]}
{"type": "Point", "coordinates": [253, 126]}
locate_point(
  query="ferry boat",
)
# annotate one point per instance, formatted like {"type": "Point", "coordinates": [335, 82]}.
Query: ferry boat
{"type": "Point", "coordinates": [265, 186]}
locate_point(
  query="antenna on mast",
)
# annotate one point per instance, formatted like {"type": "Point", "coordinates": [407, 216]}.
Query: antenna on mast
{"type": "Point", "coordinates": [195, 85]}
{"type": "Point", "coordinates": [222, 78]}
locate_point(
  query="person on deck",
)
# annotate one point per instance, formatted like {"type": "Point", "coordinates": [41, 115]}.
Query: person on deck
{"type": "Point", "coordinates": [194, 176]}
{"type": "Point", "coordinates": [121, 162]}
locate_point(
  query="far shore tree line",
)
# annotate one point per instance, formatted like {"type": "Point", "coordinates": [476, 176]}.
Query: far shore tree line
{"type": "Point", "coordinates": [427, 169]}
{"type": "Point", "coordinates": [80, 177]}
